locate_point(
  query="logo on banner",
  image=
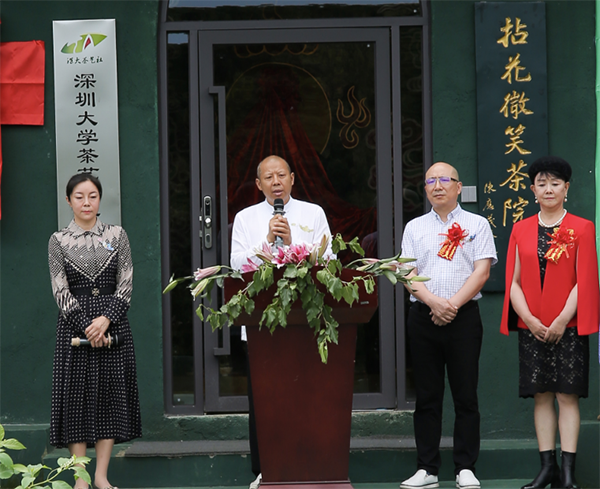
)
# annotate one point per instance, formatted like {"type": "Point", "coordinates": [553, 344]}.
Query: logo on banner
{"type": "Point", "coordinates": [85, 42]}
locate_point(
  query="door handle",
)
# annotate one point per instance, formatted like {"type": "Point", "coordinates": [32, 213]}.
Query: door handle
{"type": "Point", "coordinates": [207, 221]}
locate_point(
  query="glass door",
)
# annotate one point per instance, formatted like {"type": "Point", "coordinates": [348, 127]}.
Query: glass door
{"type": "Point", "coordinates": [320, 99]}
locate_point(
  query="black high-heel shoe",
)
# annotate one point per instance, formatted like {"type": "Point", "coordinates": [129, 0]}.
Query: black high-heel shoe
{"type": "Point", "coordinates": [567, 471]}
{"type": "Point", "coordinates": [549, 473]}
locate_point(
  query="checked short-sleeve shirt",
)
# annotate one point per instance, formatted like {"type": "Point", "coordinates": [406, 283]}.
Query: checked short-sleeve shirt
{"type": "Point", "coordinates": [423, 238]}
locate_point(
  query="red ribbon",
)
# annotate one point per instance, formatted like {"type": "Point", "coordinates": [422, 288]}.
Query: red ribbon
{"type": "Point", "coordinates": [562, 240]}
{"type": "Point", "coordinates": [454, 238]}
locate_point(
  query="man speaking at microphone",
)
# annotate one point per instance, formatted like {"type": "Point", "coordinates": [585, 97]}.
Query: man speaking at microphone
{"type": "Point", "coordinates": [300, 222]}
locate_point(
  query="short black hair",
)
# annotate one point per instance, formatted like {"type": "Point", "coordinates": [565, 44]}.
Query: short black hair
{"type": "Point", "coordinates": [82, 177]}
{"type": "Point", "coordinates": [550, 165]}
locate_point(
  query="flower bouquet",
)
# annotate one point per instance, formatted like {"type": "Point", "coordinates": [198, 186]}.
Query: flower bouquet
{"type": "Point", "coordinates": [296, 283]}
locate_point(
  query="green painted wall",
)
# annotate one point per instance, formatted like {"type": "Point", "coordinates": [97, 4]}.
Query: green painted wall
{"type": "Point", "coordinates": [572, 132]}
{"type": "Point", "coordinates": [28, 312]}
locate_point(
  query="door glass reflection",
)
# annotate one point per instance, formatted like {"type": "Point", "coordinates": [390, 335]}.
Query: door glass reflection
{"type": "Point", "coordinates": [313, 105]}
{"type": "Point", "coordinates": [180, 257]}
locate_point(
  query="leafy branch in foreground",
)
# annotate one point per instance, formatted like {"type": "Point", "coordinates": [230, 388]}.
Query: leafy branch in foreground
{"type": "Point", "coordinates": [30, 473]}
{"type": "Point", "coordinates": [297, 283]}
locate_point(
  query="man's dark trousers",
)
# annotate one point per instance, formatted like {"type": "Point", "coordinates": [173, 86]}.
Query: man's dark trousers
{"type": "Point", "coordinates": [455, 347]}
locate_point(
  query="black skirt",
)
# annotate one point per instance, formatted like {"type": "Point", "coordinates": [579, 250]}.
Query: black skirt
{"type": "Point", "coordinates": [562, 367]}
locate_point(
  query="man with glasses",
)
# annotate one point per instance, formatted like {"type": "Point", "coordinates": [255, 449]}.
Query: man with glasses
{"type": "Point", "coordinates": [455, 248]}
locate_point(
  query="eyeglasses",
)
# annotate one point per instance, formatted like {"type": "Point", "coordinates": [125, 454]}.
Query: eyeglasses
{"type": "Point", "coordinates": [442, 180]}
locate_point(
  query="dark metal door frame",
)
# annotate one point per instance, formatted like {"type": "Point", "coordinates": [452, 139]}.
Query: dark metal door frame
{"type": "Point", "coordinates": [380, 38]}
{"type": "Point", "coordinates": [228, 28]}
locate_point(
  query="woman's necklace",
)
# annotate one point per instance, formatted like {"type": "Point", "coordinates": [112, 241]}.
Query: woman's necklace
{"type": "Point", "coordinates": [542, 223]}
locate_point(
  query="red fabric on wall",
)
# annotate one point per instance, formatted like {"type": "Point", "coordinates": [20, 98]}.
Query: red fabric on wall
{"type": "Point", "coordinates": [22, 66]}
{"type": "Point", "coordinates": [22, 83]}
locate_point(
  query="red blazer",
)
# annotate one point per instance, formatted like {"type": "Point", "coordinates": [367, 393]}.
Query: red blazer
{"type": "Point", "coordinates": [581, 267]}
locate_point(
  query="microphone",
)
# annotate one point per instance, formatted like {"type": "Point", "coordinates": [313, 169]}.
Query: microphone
{"type": "Point", "coordinates": [278, 209]}
{"type": "Point", "coordinates": [112, 341]}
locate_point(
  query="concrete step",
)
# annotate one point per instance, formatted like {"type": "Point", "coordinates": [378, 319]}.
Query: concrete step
{"type": "Point", "coordinates": [485, 484]}
{"type": "Point", "coordinates": [375, 462]}
{"type": "Point", "coordinates": [382, 460]}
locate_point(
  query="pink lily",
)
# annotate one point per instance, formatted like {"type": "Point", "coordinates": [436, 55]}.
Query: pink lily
{"type": "Point", "coordinates": [249, 267]}
{"type": "Point", "coordinates": [264, 253]}
{"type": "Point", "coordinates": [300, 252]}
{"type": "Point", "coordinates": [196, 291]}
{"type": "Point", "coordinates": [323, 245]}
{"type": "Point", "coordinates": [367, 264]}
{"type": "Point", "coordinates": [206, 272]}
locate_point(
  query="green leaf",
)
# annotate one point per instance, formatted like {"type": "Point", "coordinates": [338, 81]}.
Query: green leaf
{"type": "Point", "coordinates": [19, 468]}
{"type": "Point", "coordinates": [335, 288]}
{"type": "Point", "coordinates": [27, 480]}
{"type": "Point", "coordinates": [354, 246]}
{"type": "Point", "coordinates": [200, 313]}
{"type": "Point", "coordinates": [173, 283]}
{"type": "Point", "coordinates": [60, 485]}
{"type": "Point", "coordinates": [324, 277]}
{"type": "Point", "coordinates": [369, 285]}
{"type": "Point", "coordinates": [13, 444]}
{"type": "Point", "coordinates": [338, 244]}
{"type": "Point", "coordinates": [282, 318]}
{"type": "Point", "coordinates": [249, 306]}
{"type": "Point", "coordinates": [418, 278]}
{"type": "Point", "coordinates": [63, 461]}
{"type": "Point", "coordinates": [303, 271]}
{"type": "Point", "coordinates": [323, 351]}
{"type": "Point", "coordinates": [334, 267]}
{"type": "Point", "coordinates": [405, 260]}
{"type": "Point", "coordinates": [290, 271]}
{"type": "Point", "coordinates": [2, 432]}
{"type": "Point", "coordinates": [6, 472]}
{"type": "Point", "coordinates": [6, 460]}
{"type": "Point", "coordinates": [347, 294]}
{"type": "Point", "coordinates": [34, 470]}
{"type": "Point", "coordinates": [81, 460]}
{"type": "Point", "coordinates": [390, 276]}
{"type": "Point", "coordinates": [266, 273]}
{"type": "Point", "coordinates": [81, 473]}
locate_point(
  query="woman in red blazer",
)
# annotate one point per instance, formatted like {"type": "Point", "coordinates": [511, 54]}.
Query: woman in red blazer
{"type": "Point", "coordinates": [552, 299]}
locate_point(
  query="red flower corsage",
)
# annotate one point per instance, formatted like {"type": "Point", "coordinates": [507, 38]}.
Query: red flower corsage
{"type": "Point", "coordinates": [562, 240]}
{"type": "Point", "coordinates": [454, 238]}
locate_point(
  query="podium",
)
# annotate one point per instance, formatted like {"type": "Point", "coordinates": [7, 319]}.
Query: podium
{"type": "Point", "coordinates": [303, 407]}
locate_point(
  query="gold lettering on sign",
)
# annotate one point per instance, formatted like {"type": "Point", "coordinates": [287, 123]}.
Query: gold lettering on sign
{"type": "Point", "coordinates": [488, 188]}
{"type": "Point", "coordinates": [517, 208]}
{"type": "Point", "coordinates": [515, 180]}
{"type": "Point", "coordinates": [514, 104]}
{"type": "Point", "coordinates": [514, 63]}
{"type": "Point", "coordinates": [515, 141]}
{"type": "Point", "coordinates": [519, 35]}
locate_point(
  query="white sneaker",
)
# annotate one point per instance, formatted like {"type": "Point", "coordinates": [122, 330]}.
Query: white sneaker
{"type": "Point", "coordinates": [256, 483]}
{"type": "Point", "coordinates": [421, 480]}
{"type": "Point", "coordinates": [466, 480]}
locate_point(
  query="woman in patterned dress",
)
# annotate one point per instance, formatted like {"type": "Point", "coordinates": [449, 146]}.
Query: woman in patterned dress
{"type": "Point", "coordinates": [552, 299]}
{"type": "Point", "coordinates": [94, 388]}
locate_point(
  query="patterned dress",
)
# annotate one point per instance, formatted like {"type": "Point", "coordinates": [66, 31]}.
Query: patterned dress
{"type": "Point", "coordinates": [94, 390]}
{"type": "Point", "coordinates": [550, 367]}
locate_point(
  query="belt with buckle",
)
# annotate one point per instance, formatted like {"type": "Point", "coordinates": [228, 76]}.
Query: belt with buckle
{"type": "Point", "coordinates": [94, 291]}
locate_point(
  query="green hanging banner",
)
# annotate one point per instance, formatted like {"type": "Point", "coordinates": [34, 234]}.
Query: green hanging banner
{"type": "Point", "coordinates": [512, 114]}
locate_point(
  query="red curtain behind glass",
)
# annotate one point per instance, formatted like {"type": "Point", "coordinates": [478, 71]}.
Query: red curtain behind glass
{"type": "Point", "coordinates": [273, 128]}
